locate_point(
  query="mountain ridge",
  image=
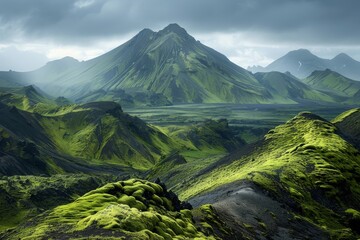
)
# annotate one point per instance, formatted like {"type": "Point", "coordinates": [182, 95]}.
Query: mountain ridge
{"type": "Point", "coordinates": [302, 63]}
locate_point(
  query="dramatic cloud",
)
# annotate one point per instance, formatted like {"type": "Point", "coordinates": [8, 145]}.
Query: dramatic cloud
{"type": "Point", "coordinates": [262, 24]}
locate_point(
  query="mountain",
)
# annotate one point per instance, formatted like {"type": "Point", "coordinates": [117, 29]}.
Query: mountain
{"type": "Point", "coordinates": [171, 67]}
{"type": "Point", "coordinates": [302, 63]}
{"type": "Point", "coordinates": [332, 82]}
{"type": "Point", "coordinates": [169, 63]}
{"type": "Point", "coordinates": [286, 88]}
{"type": "Point", "coordinates": [29, 98]}
{"type": "Point", "coordinates": [39, 135]}
{"type": "Point", "coordinates": [86, 138]}
{"type": "Point", "coordinates": [301, 181]}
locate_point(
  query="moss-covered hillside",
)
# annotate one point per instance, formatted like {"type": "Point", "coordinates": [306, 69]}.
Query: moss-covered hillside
{"type": "Point", "coordinates": [131, 209]}
{"type": "Point", "coordinates": [305, 164]}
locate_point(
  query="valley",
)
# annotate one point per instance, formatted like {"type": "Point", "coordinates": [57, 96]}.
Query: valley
{"type": "Point", "coordinates": [251, 121]}
{"type": "Point", "coordinates": [165, 138]}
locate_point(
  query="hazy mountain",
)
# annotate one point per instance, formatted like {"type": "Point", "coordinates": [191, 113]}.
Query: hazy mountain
{"type": "Point", "coordinates": [169, 62]}
{"type": "Point", "coordinates": [285, 88]}
{"type": "Point", "coordinates": [332, 82]}
{"type": "Point", "coordinates": [302, 63]}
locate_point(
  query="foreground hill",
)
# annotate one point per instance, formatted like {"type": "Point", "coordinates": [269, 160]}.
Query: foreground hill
{"type": "Point", "coordinates": [302, 63]}
{"type": "Point", "coordinates": [300, 182]}
{"type": "Point", "coordinates": [304, 176]}
{"type": "Point", "coordinates": [131, 209]}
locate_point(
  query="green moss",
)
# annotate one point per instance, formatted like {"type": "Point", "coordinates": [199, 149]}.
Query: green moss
{"type": "Point", "coordinates": [306, 150]}
{"type": "Point", "coordinates": [114, 208]}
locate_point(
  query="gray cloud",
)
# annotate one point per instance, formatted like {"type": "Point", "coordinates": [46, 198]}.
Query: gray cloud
{"type": "Point", "coordinates": [318, 21]}
{"type": "Point", "coordinates": [12, 58]}
{"type": "Point", "coordinates": [325, 26]}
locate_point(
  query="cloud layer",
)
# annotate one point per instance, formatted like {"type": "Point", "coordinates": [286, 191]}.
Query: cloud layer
{"type": "Point", "coordinates": [325, 23]}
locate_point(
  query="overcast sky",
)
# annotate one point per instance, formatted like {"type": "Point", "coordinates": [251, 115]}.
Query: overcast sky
{"type": "Point", "coordinates": [249, 32]}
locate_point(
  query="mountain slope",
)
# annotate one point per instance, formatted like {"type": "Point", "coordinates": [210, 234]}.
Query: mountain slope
{"type": "Point", "coordinates": [305, 164]}
{"type": "Point", "coordinates": [349, 124]}
{"type": "Point", "coordinates": [302, 63]}
{"type": "Point", "coordinates": [169, 62]}
{"type": "Point", "coordinates": [131, 209]}
{"type": "Point", "coordinates": [333, 82]}
{"type": "Point", "coordinates": [286, 88]}
{"type": "Point", "coordinates": [29, 98]}
{"type": "Point", "coordinates": [90, 136]}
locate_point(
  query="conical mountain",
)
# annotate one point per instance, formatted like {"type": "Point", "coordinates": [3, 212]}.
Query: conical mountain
{"type": "Point", "coordinates": [300, 63]}
{"type": "Point", "coordinates": [346, 66]}
{"type": "Point", "coordinates": [169, 62]}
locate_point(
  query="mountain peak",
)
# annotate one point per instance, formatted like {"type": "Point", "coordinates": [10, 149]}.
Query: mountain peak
{"type": "Point", "coordinates": [145, 32]}
{"type": "Point", "coordinates": [64, 60]}
{"type": "Point", "coordinates": [174, 28]}
{"type": "Point", "coordinates": [342, 57]}
{"type": "Point", "coordinates": [301, 53]}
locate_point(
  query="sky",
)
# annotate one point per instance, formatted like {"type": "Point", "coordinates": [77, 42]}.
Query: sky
{"type": "Point", "coordinates": [248, 32]}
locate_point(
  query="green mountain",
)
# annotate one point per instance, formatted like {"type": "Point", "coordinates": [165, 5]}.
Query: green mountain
{"type": "Point", "coordinates": [302, 63]}
{"type": "Point", "coordinates": [169, 63]}
{"type": "Point", "coordinates": [171, 67]}
{"type": "Point", "coordinates": [97, 133]}
{"type": "Point", "coordinates": [29, 98]}
{"type": "Point", "coordinates": [285, 88]}
{"type": "Point", "coordinates": [39, 135]}
{"type": "Point", "coordinates": [301, 182]}
{"type": "Point", "coordinates": [333, 83]}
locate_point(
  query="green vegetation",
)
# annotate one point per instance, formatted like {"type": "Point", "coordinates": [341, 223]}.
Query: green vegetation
{"type": "Point", "coordinates": [133, 208]}
{"type": "Point", "coordinates": [22, 197]}
{"type": "Point", "coordinates": [306, 150]}
{"type": "Point", "coordinates": [286, 88]}
{"type": "Point", "coordinates": [333, 82]}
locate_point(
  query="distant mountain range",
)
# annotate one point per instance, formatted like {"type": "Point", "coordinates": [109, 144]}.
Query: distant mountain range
{"type": "Point", "coordinates": [171, 67]}
{"type": "Point", "coordinates": [301, 63]}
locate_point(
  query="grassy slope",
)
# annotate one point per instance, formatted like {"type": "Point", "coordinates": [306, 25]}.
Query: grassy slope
{"type": "Point", "coordinates": [134, 208]}
{"type": "Point", "coordinates": [170, 63]}
{"type": "Point", "coordinates": [203, 144]}
{"type": "Point", "coordinates": [99, 133]}
{"type": "Point", "coordinates": [22, 197]}
{"type": "Point", "coordinates": [349, 124]}
{"type": "Point", "coordinates": [306, 150]}
{"type": "Point", "coordinates": [286, 88]}
{"type": "Point", "coordinates": [333, 82]}
{"type": "Point", "coordinates": [27, 98]}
